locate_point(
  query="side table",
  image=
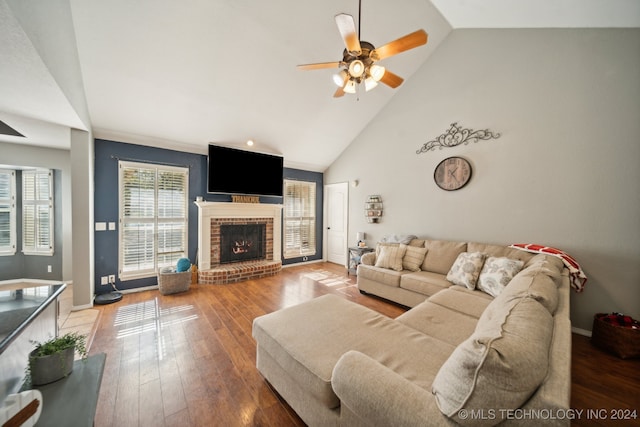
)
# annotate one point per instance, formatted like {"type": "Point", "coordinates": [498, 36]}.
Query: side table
{"type": "Point", "coordinates": [355, 253]}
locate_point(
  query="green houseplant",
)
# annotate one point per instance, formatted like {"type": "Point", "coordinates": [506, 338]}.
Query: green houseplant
{"type": "Point", "coordinates": [53, 359]}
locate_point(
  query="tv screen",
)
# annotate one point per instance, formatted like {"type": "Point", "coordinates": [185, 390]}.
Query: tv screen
{"type": "Point", "coordinates": [236, 171]}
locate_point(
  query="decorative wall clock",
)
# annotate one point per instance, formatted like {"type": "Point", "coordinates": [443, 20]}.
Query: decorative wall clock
{"type": "Point", "coordinates": [452, 173]}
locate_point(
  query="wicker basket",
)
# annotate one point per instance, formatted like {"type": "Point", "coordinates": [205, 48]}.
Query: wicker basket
{"type": "Point", "coordinates": [172, 283]}
{"type": "Point", "coordinates": [622, 341]}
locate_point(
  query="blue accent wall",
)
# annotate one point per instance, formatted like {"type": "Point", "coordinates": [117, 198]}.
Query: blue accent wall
{"type": "Point", "coordinates": [107, 155]}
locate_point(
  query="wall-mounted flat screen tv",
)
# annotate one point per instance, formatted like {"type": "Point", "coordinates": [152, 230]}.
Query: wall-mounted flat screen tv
{"type": "Point", "coordinates": [236, 171]}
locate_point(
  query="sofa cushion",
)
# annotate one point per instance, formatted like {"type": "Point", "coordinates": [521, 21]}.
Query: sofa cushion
{"type": "Point", "coordinates": [424, 282]}
{"type": "Point", "coordinates": [500, 365]}
{"type": "Point", "coordinates": [462, 300]}
{"type": "Point", "coordinates": [441, 254]}
{"type": "Point", "coordinates": [380, 275]}
{"type": "Point", "coordinates": [466, 269]}
{"type": "Point", "coordinates": [498, 251]}
{"type": "Point", "coordinates": [552, 265]}
{"type": "Point", "coordinates": [536, 281]}
{"type": "Point", "coordinates": [391, 257]}
{"type": "Point", "coordinates": [497, 273]}
{"type": "Point", "coordinates": [436, 320]}
{"type": "Point", "coordinates": [413, 258]}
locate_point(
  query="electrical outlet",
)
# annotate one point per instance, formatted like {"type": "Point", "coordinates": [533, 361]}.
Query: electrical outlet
{"type": "Point", "coordinates": [104, 280]}
{"type": "Point", "coordinates": [112, 278]}
{"type": "Point", "coordinates": [49, 269]}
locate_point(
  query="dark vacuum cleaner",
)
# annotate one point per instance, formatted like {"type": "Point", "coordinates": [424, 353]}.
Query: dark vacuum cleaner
{"type": "Point", "coordinates": [109, 297]}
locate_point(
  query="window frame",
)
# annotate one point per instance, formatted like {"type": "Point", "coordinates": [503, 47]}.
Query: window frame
{"type": "Point", "coordinates": [37, 203]}
{"type": "Point", "coordinates": [156, 221]}
{"type": "Point", "coordinates": [310, 219]}
{"type": "Point", "coordinates": [9, 205]}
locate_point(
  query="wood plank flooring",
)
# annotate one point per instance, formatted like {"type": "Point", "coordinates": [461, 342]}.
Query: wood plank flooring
{"type": "Point", "coordinates": [189, 359]}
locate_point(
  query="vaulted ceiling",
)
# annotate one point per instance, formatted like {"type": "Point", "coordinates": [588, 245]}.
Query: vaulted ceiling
{"type": "Point", "coordinates": [185, 74]}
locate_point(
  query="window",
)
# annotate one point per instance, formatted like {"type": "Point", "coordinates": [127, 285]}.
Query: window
{"type": "Point", "coordinates": [299, 218]}
{"type": "Point", "coordinates": [153, 218]}
{"type": "Point", "coordinates": [37, 212]}
{"type": "Point", "coordinates": [7, 212]}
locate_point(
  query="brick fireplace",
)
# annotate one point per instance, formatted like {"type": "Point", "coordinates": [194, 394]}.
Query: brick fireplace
{"type": "Point", "coordinates": [214, 217]}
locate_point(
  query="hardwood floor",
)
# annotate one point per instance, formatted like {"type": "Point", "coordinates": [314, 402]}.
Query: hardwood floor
{"type": "Point", "coordinates": [189, 359]}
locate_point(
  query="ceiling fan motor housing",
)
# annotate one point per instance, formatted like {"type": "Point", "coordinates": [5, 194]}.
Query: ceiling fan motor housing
{"type": "Point", "coordinates": [364, 57]}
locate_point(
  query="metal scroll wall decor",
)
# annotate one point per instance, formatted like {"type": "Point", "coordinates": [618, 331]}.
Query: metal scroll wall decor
{"type": "Point", "coordinates": [455, 136]}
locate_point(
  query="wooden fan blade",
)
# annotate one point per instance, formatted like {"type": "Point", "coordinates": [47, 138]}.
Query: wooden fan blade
{"type": "Point", "coordinates": [339, 93]}
{"type": "Point", "coordinates": [318, 66]}
{"type": "Point", "coordinates": [347, 28]}
{"type": "Point", "coordinates": [415, 39]}
{"type": "Point", "coordinates": [391, 80]}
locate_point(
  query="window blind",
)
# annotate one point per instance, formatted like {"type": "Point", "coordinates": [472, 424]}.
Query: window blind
{"type": "Point", "coordinates": [7, 212]}
{"type": "Point", "coordinates": [153, 218]}
{"type": "Point", "coordinates": [37, 212]}
{"type": "Point", "coordinates": [299, 218]}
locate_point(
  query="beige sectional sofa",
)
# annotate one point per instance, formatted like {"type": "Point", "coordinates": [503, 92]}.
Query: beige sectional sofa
{"type": "Point", "coordinates": [459, 356]}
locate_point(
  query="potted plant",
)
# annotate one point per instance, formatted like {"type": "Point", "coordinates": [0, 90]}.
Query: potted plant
{"type": "Point", "coordinates": [53, 359]}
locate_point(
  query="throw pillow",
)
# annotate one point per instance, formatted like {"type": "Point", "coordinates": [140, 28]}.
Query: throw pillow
{"type": "Point", "coordinates": [391, 257]}
{"type": "Point", "coordinates": [183, 265]}
{"type": "Point", "coordinates": [413, 258]}
{"type": "Point", "coordinates": [466, 269]}
{"type": "Point", "coordinates": [380, 245]}
{"type": "Point", "coordinates": [497, 273]}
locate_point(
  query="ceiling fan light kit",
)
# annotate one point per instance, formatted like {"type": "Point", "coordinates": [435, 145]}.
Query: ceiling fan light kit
{"type": "Point", "coordinates": [359, 57]}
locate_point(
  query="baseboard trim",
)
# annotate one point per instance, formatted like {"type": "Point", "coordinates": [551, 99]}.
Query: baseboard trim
{"type": "Point", "coordinates": [315, 261]}
{"type": "Point", "coordinates": [134, 290]}
{"type": "Point", "coordinates": [580, 331]}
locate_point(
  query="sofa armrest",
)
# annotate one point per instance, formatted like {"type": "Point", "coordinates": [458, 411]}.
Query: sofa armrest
{"type": "Point", "coordinates": [379, 396]}
{"type": "Point", "coordinates": [368, 259]}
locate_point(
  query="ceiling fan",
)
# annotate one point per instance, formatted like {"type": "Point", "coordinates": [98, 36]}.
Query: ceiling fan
{"type": "Point", "coordinates": [359, 58]}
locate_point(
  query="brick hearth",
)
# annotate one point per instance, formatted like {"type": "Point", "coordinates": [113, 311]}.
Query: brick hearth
{"type": "Point", "coordinates": [239, 271]}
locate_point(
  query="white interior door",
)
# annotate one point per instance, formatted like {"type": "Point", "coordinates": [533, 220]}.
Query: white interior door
{"type": "Point", "coordinates": [336, 222]}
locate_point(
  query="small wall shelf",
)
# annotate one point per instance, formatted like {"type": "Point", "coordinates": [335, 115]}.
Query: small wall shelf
{"type": "Point", "coordinates": [373, 208]}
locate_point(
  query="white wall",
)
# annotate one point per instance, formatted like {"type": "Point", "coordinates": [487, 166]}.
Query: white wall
{"type": "Point", "coordinates": [49, 26]}
{"type": "Point", "coordinates": [564, 173]}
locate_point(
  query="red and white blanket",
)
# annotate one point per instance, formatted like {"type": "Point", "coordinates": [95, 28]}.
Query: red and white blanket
{"type": "Point", "coordinates": [576, 275]}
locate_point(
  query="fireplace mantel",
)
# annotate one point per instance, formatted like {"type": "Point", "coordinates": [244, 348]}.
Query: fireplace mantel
{"type": "Point", "coordinates": [209, 210]}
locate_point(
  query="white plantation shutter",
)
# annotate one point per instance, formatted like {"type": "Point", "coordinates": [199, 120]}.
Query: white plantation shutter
{"type": "Point", "coordinates": [37, 212]}
{"type": "Point", "coordinates": [153, 218]}
{"type": "Point", "coordinates": [299, 218]}
{"type": "Point", "coordinates": [172, 216]}
{"type": "Point", "coordinates": [7, 212]}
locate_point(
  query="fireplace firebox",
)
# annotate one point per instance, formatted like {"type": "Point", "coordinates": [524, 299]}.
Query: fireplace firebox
{"type": "Point", "coordinates": [242, 242]}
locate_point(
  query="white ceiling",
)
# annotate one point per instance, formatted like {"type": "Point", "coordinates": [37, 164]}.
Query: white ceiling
{"type": "Point", "coordinates": [540, 13]}
{"type": "Point", "coordinates": [184, 74]}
